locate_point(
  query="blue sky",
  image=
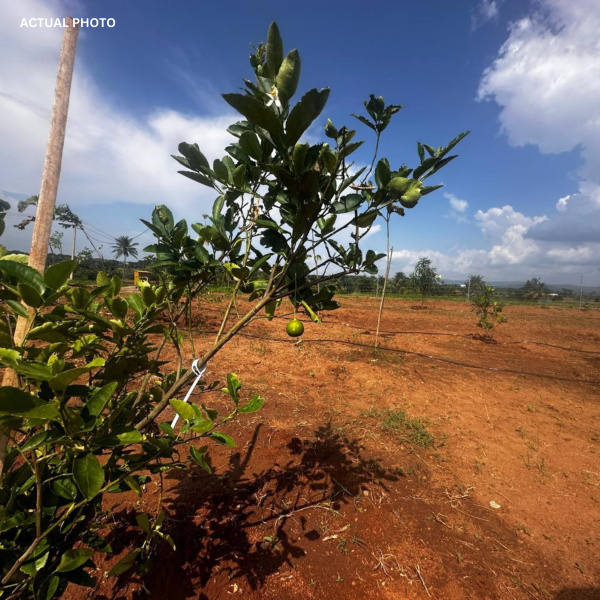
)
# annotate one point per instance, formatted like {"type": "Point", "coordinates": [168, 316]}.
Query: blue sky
{"type": "Point", "coordinates": [522, 200]}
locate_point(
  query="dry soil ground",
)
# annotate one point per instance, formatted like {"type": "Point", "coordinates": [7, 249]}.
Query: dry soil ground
{"type": "Point", "coordinates": [439, 466]}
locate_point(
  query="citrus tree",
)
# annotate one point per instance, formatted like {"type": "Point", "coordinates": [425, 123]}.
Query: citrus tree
{"type": "Point", "coordinates": [487, 308]}
{"type": "Point", "coordinates": [84, 417]}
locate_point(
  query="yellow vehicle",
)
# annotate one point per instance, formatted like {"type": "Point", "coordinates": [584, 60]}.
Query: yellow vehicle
{"type": "Point", "coordinates": [141, 276]}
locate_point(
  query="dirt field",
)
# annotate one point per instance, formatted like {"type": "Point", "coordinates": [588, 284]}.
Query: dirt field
{"type": "Point", "coordinates": [448, 468]}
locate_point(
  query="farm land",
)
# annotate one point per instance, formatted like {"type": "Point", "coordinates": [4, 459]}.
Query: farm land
{"type": "Point", "coordinates": [438, 465]}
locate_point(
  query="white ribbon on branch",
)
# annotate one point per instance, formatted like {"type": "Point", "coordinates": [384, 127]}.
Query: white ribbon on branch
{"type": "Point", "coordinates": [199, 372]}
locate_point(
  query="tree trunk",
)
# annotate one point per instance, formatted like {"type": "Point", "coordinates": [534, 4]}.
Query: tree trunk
{"type": "Point", "coordinates": [389, 253]}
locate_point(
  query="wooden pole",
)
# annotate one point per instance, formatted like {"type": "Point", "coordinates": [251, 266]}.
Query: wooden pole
{"type": "Point", "coordinates": [54, 150]}
{"type": "Point", "coordinates": [51, 174]}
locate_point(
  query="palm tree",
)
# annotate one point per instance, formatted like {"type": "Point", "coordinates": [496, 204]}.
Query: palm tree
{"type": "Point", "coordinates": [125, 247]}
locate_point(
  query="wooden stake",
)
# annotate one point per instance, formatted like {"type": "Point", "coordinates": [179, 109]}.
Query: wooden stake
{"type": "Point", "coordinates": [54, 150]}
{"type": "Point", "coordinates": [47, 200]}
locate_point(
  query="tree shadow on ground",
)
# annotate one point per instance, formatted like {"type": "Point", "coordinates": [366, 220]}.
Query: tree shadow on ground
{"type": "Point", "coordinates": [578, 594]}
{"type": "Point", "coordinates": [236, 527]}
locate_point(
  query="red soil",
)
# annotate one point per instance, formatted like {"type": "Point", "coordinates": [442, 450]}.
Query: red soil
{"type": "Point", "coordinates": [319, 500]}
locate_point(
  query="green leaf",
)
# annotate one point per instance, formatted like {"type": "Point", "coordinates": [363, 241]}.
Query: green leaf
{"type": "Point", "coordinates": [166, 428]}
{"type": "Point", "coordinates": [143, 521]}
{"type": "Point", "coordinates": [133, 484]}
{"type": "Point", "coordinates": [37, 560]}
{"type": "Point", "coordinates": [102, 279]}
{"type": "Point", "coordinates": [221, 173]}
{"type": "Point", "coordinates": [348, 203]}
{"type": "Point", "coordinates": [64, 488]}
{"type": "Point", "coordinates": [183, 409]}
{"type": "Point", "coordinates": [288, 76]}
{"type": "Point", "coordinates": [239, 176]}
{"type": "Point", "coordinates": [365, 121]}
{"type": "Point", "coordinates": [57, 275]}
{"type": "Point", "coordinates": [132, 436]}
{"type": "Point", "coordinates": [255, 111]}
{"type": "Point", "coordinates": [198, 177]}
{"type": "Point", "coordinates": [382, 172]}
{"type": "Point", "coordinates": [259, 263]}
{"type": "Point", "coordinates": [222, 438]}
{"type": "Point", "coordinates": [29, 295]}
{"type": "Point", "coordinates": [240, 273]}
{"type": "Point", "coordinates": [202, 426]}
{"type": "Point", "coordinates": [117, 306]}
{"type": "Point", "coordinates": [28, 369]}
{"type": "Point", "coordinates": [195, 158]}
{"type": "Point", "coordinates": [88, 474]}
{"type": "Point", "coordinates": [219, 202]}
{"type": "Point", "coordinates": [304, 113]}
{"type": "Point", "coordinates": [198, 456]}
{"type": "Point", "coordinates": [366, 219]}
{"type": "Point", "coordinates": [17, 308]}
{"type": "Point", "coordinates": [274, 240]}
{"type": "Point", "coordinates": [453, 143]}
{"type": "Point", "coordinates": [62, 380]}
{"type": "Point", "coordinates": [73, 559]}
{"type": "Point", "coordinates": [16, 403]}
{"type": "Point", "coordinates": [274, 49]}
{"type": "Point", "coordinates": [48, 590]}
{"type": "Point", "coordinates": [253, 405]}
{"type": "Point", "coordinates": [201, 253]}
{"type": "Point", "coordinates": [23, 274]}
{"type": "Point", "coordinates": [44, 437]}
{"type": "Point", "coordinates": [270, 308]}
{"type": "Point", "coordinates": [233, 385]}
{"type": "Point", "coordinates": [136, 304]}
{"type": "Point", "coordinates": [250, 144]}
{"type": "Point", "coordinates": [125, 563]}
{"type": "Point", "coordinates": [440, 164]}
{"type": "Point", "coordinates": [115, 282]}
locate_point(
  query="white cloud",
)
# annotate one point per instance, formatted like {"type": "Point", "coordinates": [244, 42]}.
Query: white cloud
{"type": "Point", "coordinates": [456, 204]}
{"type": "Point", "coordinates": [561, 205]}
{"type": "Point", "coordinates": [110, 156]}
{"type": "Point", "coordinates": [516, 252]}
{"type": "Point", "coordinates": [546, 80]}
{"type": "Point", "coordinates": [486, 11]}
{"type": "Point", "coordinates": [496, 222]}
{"type": "Point", "coordinates": [577, 219]}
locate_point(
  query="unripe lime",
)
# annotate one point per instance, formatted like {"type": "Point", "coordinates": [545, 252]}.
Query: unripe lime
{"type": "Point", "coordinates": [410, 198]}
{"type": "Point", "coordinates": [294, 328]}
{"type": "Point", "coordinates": [399, 185]}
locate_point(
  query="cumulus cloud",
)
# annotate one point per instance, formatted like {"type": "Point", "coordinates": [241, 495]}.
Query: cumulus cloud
{"type": "Point", "coordinates": [561, 205]}
{"type": "Point", "coordinates": [577, 219]}
{"type": "Point", "coordinates": [486, 11]}
{"type": "Point", "coordinates": [516, 250]}
{"type": "Point", "coordinates": [496, 222]}
{"type": "Point", "coordinates": [110, 156]}
{"type": "Point", "coordinates": [457, 205]}
{"type": "Point", "coordinates": [546, 80]}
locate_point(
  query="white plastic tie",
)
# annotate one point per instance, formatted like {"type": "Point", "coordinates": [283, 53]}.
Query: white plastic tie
{"type": "Point", "coordinates": [199, 372]}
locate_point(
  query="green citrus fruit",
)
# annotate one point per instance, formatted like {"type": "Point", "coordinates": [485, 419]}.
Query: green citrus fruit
{"type": "Point", "coordinates": [294, 328]}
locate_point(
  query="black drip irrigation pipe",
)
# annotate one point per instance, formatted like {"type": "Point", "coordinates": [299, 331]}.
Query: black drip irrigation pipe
{"type": "Point", "coordinates": [467, 336]}
{"type": "Point", "coordinates": [422, 355]}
